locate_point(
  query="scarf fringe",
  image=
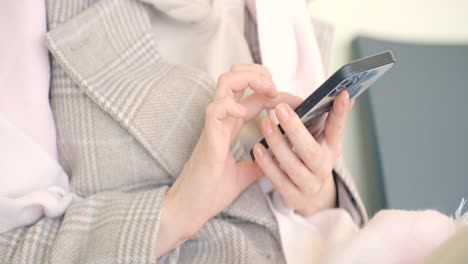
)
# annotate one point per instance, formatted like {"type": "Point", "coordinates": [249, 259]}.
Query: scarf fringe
{"type": "Point", "coordinates": [460, 219]}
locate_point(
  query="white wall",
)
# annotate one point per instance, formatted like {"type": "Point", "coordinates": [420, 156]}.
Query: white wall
{"type": "Point", "coordinates": [434, 21]}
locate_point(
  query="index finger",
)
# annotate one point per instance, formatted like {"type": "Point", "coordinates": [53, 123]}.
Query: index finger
{"type": "Point", "coordinates": [255, 103]}
{"type": "Point", "coordinates": [308, 149]}
{"type": "Point", "coordinates": [233, 84]}
{"type": "Point", "coordinates": [334, 124]}
{"type": "Point", "coordinates": [253, 68]}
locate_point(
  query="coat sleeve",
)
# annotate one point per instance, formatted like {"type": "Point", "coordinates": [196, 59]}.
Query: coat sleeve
{"type": "Point", "coordinates": [348, 197]}
{"type": "Point", "coordinates": [112, 227]}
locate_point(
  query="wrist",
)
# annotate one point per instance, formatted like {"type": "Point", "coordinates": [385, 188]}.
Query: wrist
{"type": "Point", "coordinates": [174, 227]}
{"type": "Point", "coordinates": [325, 199]}
{"type": "Point", "coordinates": [330, 200]}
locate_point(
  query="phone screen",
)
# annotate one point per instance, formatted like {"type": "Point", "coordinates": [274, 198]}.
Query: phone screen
{"type": "Point", "coordinates": [356, 84]}
{"type": "Point", "coordinates": [360, 75]}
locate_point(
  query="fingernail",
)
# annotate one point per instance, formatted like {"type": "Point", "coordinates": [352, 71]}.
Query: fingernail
{"type": "Point", "coordinates": [344, 106]}
{"type": "Point", "coordinates": [350, 106]}
{"type": "Point", "coordinates": [270, 86]}
{"type": "Point", "coordinates": [273, 92]}
{"type": "Point", "coordinates": [268, 83]}
{"type": "Point", "coordinates": [258, 151]}
{"type": "Point", "coordinates": [267, 127]}
{"type": "Point", "coordinates": [283, 113]}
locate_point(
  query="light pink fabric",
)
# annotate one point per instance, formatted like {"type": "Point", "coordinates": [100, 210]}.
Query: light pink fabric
{"type": "Point", "coordinates": [24, 71]}
{"type": "Point", "coordinates": [287, 44]}
{"type": "Point", "coordinates": [289, 49]}
{"type": "Point", "coordinates": [392, 236]}
{"type": "Point", "coordinates": [330, 236]}
{"type": "Point", "coordinates": [32, 183]}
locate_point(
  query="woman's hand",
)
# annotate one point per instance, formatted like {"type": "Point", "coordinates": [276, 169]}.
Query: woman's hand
{"type": "Point", "coordinates": [211, 178]}
{"type": "Point", "coordinates": [302, 173]}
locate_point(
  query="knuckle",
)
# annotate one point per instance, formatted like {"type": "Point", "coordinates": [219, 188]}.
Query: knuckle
{"type": "Point", "coordinates": [314, 188]}
{"type": "Point", "coordinates": [310, 154]}
{"type": "Point", "coordinates": [297, 201]}
{"type": "Point", "coordinates": [228, 102]}
{"type": "Point", "coordinates": [223, 78]}
{"type": "Point", "coordinates": [295, 173]}
{"type": "Point", "coordinates": [339, 149]}
{"type": "Point", "coordinates": [283, 166]}
{"type": "Point", "coordinates": [338, 120]}
{"type": "Point", "coordinates": [236, 67]}
{"type": "Point", "coordinates": [281, 189]}
{"type": "Point", "coordinates": [318, 149]}
{"type": "Point", "coordinates": [289, 202]}
{"type": "Point", "coordinates": [339, 127]}
{"type": "Point", "coordinates": [294, 123]}
{"type": "Point", "coordinates": [322, 172]}
{"type": "Point", "coordinates": [265, 70]}
{"type": "Point", "coordinates": [292, 129]}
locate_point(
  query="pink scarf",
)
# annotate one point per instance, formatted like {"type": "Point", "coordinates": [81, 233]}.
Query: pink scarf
{"type": "Point", "coordinates": [289, 49]}
{"type": "Point", "coordinates": [32, 183]}
{"type": "Point", "coordinates": [288, 45]}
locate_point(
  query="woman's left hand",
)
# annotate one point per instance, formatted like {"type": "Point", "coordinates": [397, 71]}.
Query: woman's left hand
{"type": "Point", "coordinates": [302, 171]}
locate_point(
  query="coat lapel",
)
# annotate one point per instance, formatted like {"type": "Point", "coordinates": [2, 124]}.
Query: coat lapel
{"type": "Point", "coordinates": [108, 50]}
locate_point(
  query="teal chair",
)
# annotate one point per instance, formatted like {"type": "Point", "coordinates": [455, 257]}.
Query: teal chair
{"type": "Point", "coordinates": [418, 121]}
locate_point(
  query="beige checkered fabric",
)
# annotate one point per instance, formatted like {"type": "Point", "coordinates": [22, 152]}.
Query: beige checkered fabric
{"type": "Point", "coordinates": [126, 122]}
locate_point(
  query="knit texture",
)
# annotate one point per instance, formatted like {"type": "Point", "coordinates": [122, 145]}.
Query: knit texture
{"type": "Point", "coordinates": [126, 123]}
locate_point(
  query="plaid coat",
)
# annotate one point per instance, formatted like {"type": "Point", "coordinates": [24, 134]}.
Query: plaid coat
{"type": "Point", "coordinates": [126, 122]}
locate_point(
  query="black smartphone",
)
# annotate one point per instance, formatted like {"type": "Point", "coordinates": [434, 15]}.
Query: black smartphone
{"type": "Point", "coordinates": [355, 77]}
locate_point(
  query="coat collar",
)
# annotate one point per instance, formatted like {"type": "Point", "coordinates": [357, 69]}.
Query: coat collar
{"type": "Point", "coordinates": [108, 50]}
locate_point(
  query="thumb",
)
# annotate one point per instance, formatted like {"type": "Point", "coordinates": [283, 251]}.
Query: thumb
{"type": "Point", "coordinates": [248, 173]}
{"type": "Point", "coordinates": [256, 103]}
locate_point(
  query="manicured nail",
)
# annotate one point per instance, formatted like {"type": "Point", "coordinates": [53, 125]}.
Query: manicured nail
{"type": "Point", "coordinates": [267, 126]}
{"type": "Point", "coordinates": [283, 113]}
{"type": "Point", "coordinates": [258, 151]}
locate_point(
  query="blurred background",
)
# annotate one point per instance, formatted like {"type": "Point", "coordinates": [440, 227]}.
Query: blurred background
{"type": "Point", "coordinates": [405, 142]}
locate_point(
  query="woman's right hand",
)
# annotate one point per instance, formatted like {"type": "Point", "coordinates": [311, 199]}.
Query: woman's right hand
{"type": "Point", "coordinates": [212, 178]}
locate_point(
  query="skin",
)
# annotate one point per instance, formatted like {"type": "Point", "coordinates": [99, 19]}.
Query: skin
{"type": "Point", "coordinates": [211, 179]}
{"type": "Point", "coordinates": [303, 173]}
